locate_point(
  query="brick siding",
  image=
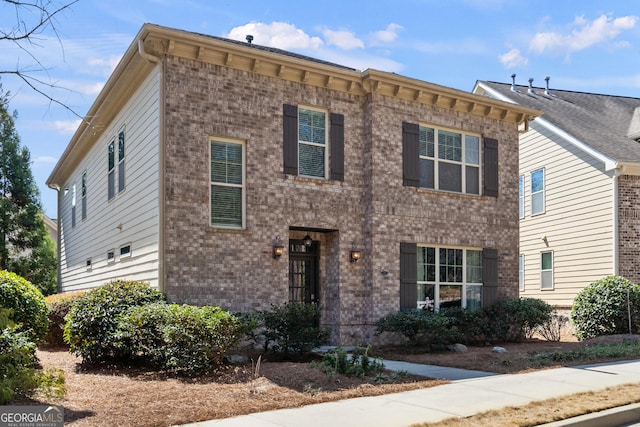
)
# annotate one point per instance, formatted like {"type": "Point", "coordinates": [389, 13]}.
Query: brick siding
{"type": "Point", "coordinates": [370, 208]}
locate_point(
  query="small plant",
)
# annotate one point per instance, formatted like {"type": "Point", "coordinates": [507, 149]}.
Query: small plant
{"type": "Point", "coordinates": [358, 363]}
{"type": "Point", "coordinates": [25, 303]}
{"type": "Point", "coordinates": [93, 319]}
{"type": "Point", "coordinates": [607, 306]}
{"type": "Point", "coordinates": [17, 362]}
{"type": "Point", "coordinates": [181, 338]}
{"type": "Point", "coordinates": [515, 320]}
{"type": "Point", "coordinates": [290, 329]}
{"type": "Point", "coordinates": [59, 305]}
{"type": "Point", "coordinates": [552, 330]}
{"type": "Point", "coordinates": [421, 327]}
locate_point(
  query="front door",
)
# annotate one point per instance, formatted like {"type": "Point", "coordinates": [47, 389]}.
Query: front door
{"type": "Point", "coordinates": [304, 272]}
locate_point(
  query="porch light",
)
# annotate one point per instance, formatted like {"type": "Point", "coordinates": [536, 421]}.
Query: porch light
{"type": "Point", "coordinates": [355, 255]}
{"type": "Point", "coordinates": [278, 247]}
{"type": "Point", "coordinates": [307, 241]}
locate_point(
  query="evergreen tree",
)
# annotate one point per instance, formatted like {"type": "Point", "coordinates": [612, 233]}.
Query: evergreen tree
{"type": "Point", "coordinates": [25, 246]}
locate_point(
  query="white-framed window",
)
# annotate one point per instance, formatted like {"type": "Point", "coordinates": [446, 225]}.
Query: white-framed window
{"type": "Point", "coordinates": [88, 264]}
{"type": "Point", "coordinates": [83, 195]}
{"type": "Point", "coordinates": [537, 192]}
{"type": "Point", "coordinates": [449, 160]}
{"type": "Point", "coordinates": [111, 256]}
{"type": "Point", "coordinates": [125, 251]}
{"type": "Point", "coordinates": [111, 170]}
{"type": "Point", "coordinates": [121, 179]}
{"type": "Point", "coordinates": [546, 270]}
{"type": "Point", "coordinates": [521, 196]}
{"type": "Point", "coordinates": [313, 155]}
{"type": "Point", "coordinates": [73, 205]}
{"type": "Point", "coordinates": [227, 183]}
{"type": "Point", "coordinates": [449, 277]}
{"type": "Point", "coordinates": [521, 272]}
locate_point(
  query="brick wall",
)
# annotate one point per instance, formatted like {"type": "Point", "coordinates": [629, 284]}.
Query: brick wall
{"type": "Point", "coordinates": [370, 208]}
{"type": "Point", "coordinates": [629, 227]}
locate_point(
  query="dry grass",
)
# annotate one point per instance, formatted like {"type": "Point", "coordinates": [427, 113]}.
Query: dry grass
{"type": "Point", "coordinates": [547, 411]}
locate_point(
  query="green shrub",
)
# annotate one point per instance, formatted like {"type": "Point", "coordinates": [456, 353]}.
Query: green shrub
{"type": "Point", "coordinates": [290, 328]}
{"type": "Point", "coordinates": [421, 327]}
{"type": "Point", "coordinates": [468, 323]}
{"type": "Point", "coordinates": [27, 304]}
{"type": "Point", "coordinates": [357, 363]}
{"type": "Point", "coordinates": [17, 361]}
{"type": "Point", "coordinates": [516, 319]}
{"type": "Point", "coordinates": [601, 308]}
{"type": "Point", "coordinates": [93, 319]}
{"type": "Point", "coordinates": [59, 305]}
{"type": "Point", "coordinates": [182, 338]}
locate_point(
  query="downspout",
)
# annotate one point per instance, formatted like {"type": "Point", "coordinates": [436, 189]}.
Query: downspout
{"type": "Point", "coordinates": [58, 240]}
{"type": "Point", "coordinates": [161, 161]}
{"type": "Point", "coordinates": [616, 238]}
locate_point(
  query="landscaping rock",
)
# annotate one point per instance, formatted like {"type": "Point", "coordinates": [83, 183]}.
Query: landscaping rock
{"type": "Point", "coordinates": [499, 350]}
{"type": "Point", "coordinates": [236, 359]}
{"type": "Point", "coordinates": [458, 348]}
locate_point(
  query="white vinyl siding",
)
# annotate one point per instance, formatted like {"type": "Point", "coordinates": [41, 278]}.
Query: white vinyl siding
{"type": "Point", "coordinates": [578, 219]}
{"type": "Point", "coordinates": [521, 272]}
{"type": "Point", "coordinates": [131, 217]}
{"type": "Point", "coordinates": [521, 196]}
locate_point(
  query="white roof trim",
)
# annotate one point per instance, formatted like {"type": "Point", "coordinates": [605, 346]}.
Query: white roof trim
{"type": "Point", "coordinates": [609, 163]}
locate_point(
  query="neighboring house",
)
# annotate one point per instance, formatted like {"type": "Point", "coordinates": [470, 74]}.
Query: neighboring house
{"type": "Point", "coordinates": [52, 228]}
{"type": "Point", "coordinates": [232, 174]}
{"type": "Point", "coordinates": [579, 189]}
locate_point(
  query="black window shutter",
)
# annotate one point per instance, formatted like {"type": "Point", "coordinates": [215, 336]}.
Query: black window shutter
{"type": "Point", "coordinates": [410, 154]}
{"type": "Point", "coordinates": [491, 167]}
{"type": "Point", "coordinates": [408, 275]}
{"type": "Point", "coordinates": [489, 277]}
{"type": "Point", "coordinates": [290, 139]}
{"type": "Point", "coordinates": [336, 146]}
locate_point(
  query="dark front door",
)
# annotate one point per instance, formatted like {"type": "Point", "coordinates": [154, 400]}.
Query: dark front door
{"type": "Point", "coordinates": [304, 272]}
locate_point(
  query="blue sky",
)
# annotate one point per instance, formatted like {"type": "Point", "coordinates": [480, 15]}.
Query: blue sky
{"type": "Point", "coordinates": [590, 46]}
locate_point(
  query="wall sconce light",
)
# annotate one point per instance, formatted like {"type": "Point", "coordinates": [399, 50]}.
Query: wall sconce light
{"type": "Point", "coordinates": [278, 247]}
{"type": "Point", "coordinates": [355, 255]}
{"type": "Point", "coordinates": [307, 241]}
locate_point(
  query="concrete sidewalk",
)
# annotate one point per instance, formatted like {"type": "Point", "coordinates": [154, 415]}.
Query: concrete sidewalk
{"type": "Point", "coordinates": [471, 392]}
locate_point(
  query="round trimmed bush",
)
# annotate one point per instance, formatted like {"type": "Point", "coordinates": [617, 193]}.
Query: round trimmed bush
{"type": "Point", "coordinates": [93, 319]}
{"type": "Point", "coordinates": [59, 306]}
{"type": "Point", "coordinates": [182, 338]}
{"type": "Point", "coordinates": [25, 303]}
{"type": "Point", "coordinates": [603, 308]}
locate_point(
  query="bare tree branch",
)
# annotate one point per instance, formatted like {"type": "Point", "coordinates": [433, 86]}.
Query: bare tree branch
{"type": "Point", "coordinates": [34, 18]}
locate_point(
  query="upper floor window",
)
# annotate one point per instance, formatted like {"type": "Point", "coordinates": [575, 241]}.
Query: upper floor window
{"type": "Point", "coordinates": [537, 192]}
{"type": "Point", "coordinates": [83, 195]}
{"type": "Point", "coordinates": [227, 183]}
{"type": "Point", "coordinates": [73, 205]}
{"type": "Point", "coordinates": [121, 180]}
{"type": "Point", "coordinates": [313, 143]}
{"type": "Point", "coordinates": [521, 196]}
{"type": "Point", "coordinates": [111, 174]}
{"type": "Point", "coordinates": [449, 160]}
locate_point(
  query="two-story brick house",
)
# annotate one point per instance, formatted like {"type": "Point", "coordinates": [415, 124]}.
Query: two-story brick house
{"type": "Point", "coordinates": [237, 175]}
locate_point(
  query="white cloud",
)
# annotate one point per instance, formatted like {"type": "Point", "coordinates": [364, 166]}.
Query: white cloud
{"type": "Point", "coordinates": [44, 161]}
{"type": "Point", "coordinates": [585, 34]}
{"type": "Point", "coordinates": [388, 35]}
{"type": "Point", "coordinates": [65, 127]}
{"type": "Point", "coordinates": [513, 58]}
{"type": "Point", "coordinates": [277, 34]}
{"type": "Point", "coordinates": [342, 39]}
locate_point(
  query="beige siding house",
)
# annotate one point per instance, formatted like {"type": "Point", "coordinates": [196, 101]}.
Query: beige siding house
{"type": "Point", "coordinates": [578, 190]}
{"type": "Point", "coordinates": [238, 175]}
